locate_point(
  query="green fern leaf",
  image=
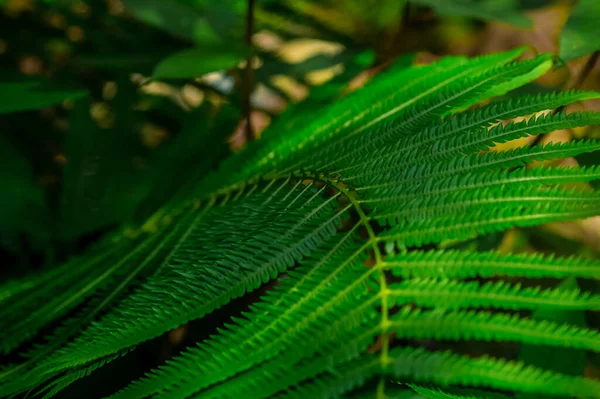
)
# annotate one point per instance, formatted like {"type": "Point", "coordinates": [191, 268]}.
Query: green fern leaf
{"type": "Point", "coordinates": [335, 214]}
{"type": "Point", "coordinates": [454, 294]}
{"type": "Point", "coordinates": [458, 264]}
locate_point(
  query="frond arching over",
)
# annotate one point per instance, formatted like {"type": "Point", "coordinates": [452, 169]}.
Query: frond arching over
{"type": "Point", "coordinates": [336, 214]}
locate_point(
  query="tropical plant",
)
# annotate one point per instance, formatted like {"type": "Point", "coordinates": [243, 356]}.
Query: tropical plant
{"type": "Point", "coordinates": [348, 222]}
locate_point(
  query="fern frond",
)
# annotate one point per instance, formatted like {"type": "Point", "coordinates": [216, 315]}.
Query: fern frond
{"type": "Point", "coordinates": [429, 393]}
{"type": "Point", "coordinates": [477, 140]}
{"type": "Point", "coordinates": [437, 102]}
{"type": "Point", "coordinates": [466, 226]}
{"type": "Point", "coordinates": [454, 295]}
{"type": "Point", "coordinates": [330, 281]}
{"type": "Point", "coordinates": [445, 368]}
{"type": "Point", "coordinates": [269, 379]}
{"type": "Point", "coordinates": [461, 165]}
{"type": "Point", "coordinates": [44, 302]}
{"type": "Point", "coordinates": [483, 140]}
{"type": "Point", "coordinates": [519, 156]}
{"type": "Point", "coordinates": [356, 113]}
{"type": "Point", "coordinates": [36, 283]}
{"type": "Point", "coordinates": [462, 124]}
{"type": "Point", "coordinates": [457, 325]}
{"type": "Point", "coordinates": [475, 200]}
{"type": "Point", "coordinates": [471, 89]}
{"type": "Point", "coordinates": [70, 377]}
{"type": "Point", "coordinates": [519, 178]}
{"type": "Point", "coordinates": [335, 204]}
{"type": "Point", "coordinates": [334, 384]}
{"type": "Point", "coordinates": [137, 259]}
{"type": "Point", "coordinates": [459, 264]}
{"type": "Point", "coordinates": [269, 252]}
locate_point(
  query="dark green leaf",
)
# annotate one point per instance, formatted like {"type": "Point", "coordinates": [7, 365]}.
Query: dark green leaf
{"type": "Point", "coordinates": [197, 62]}
{"type": "Point", "coordinates": [101, 180]}
{"type": "Point", "coordinates": [123, 62]}
{"type": "Point", "coordinates": [581, 34]}
{"type": "Point", "coordinates": [23, 204]}
{"type": "Point", "coordinates": [178, 19]}
{"type": "Point", "coordinates": [184, 159]}
{"type": "Point", "coordinates": [505, 11]}
{"type": "Point", "coordinates": [24, 96]}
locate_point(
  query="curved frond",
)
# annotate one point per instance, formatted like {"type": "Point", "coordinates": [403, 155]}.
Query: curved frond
{"type": "Point", "coordinates": [332, 220]}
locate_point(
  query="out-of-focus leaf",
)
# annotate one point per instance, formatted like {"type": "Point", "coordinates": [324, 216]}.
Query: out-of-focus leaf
{"type": "Point", "coordinates": [23, 204]}
{"type": "Point", "coordinates": [226, 17]}
{"type": "Point", "coordinates": [505, 11]}
{"type": "Point", "coordinates": [199, 61]}
{"type": "Point", "coordinates": [581, 34]}
{"type": "Point", "coordinates": [274, 66]}
{"type": "Point", "coordinates": [547, 240]}
{"type": "Point", "coordinates": [562, 360]}
{"type": "Point", "coordinates": [175, 17]}
{"type": "Point", "coordinates": [24, 96]}
{"type": "Point", "coordinates": [531, 4]}
{"type": "Point", "coordinates": [101, 179]}
{"type": "Point", "coordinates": [323, 95]}
{"type": "Point", "coordinates": [123, 62]}
{"type": "Point", "coordinates": [185, 159]}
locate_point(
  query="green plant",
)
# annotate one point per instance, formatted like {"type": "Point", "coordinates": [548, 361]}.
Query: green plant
{"type": "Point", "coordinates": [343, 219]}
{"type": "Point", "coordinates": [578, 35]}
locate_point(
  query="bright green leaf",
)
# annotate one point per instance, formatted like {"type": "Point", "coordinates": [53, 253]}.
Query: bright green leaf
{"type": "Point", "coordinates": [581, 35]}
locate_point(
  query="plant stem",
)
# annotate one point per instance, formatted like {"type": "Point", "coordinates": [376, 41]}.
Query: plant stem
{"type": "Point", "coordinates": [585, 71]}
{"type": "Point", "coordinates": [248, 78]}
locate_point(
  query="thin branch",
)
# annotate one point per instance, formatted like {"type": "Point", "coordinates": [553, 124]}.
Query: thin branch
{"type": "Point", "coordinates": [585, 71]}
{"type": "Point", "coordinates": [248, 78]}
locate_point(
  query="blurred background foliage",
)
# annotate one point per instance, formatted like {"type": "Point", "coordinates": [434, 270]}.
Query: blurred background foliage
{"type": "Point", "coordinates": [109, 108]}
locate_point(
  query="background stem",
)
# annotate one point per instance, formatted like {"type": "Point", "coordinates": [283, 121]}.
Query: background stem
{"type": "Point", "coordinates": [248, 78]}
